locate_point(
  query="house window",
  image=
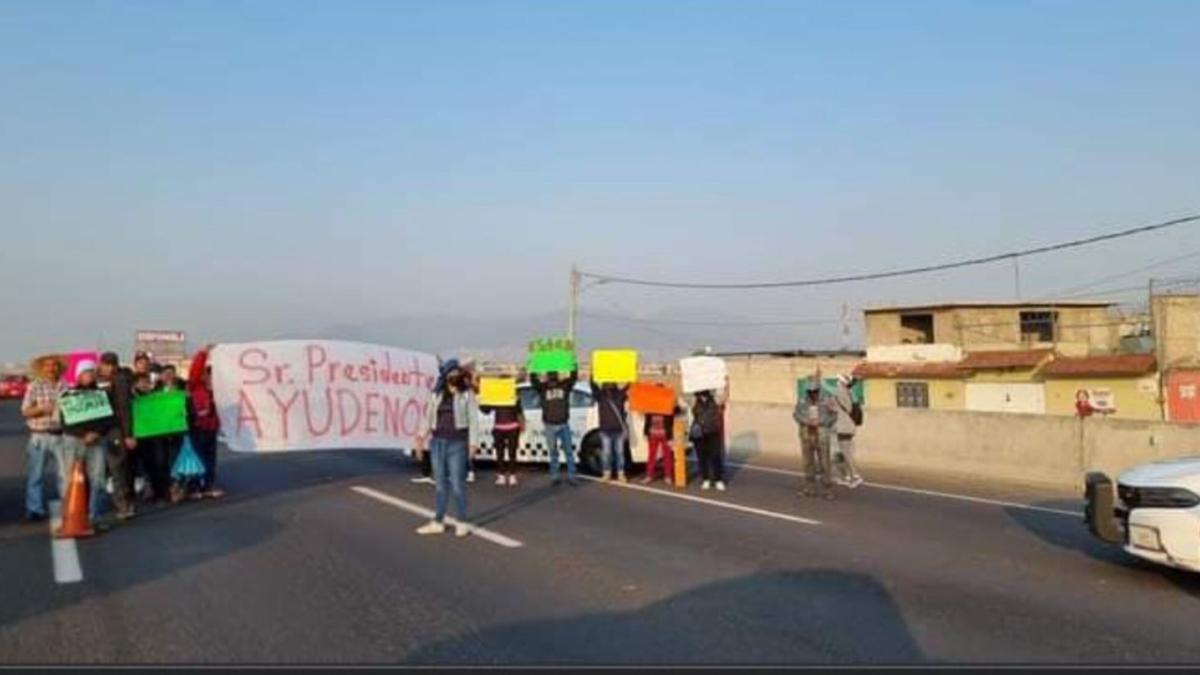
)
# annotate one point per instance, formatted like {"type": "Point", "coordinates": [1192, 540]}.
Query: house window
{"type": "Point", "coordinates": [912, 394]}
{"type": "Point", "coordinates": [1038, 326]}
{"type": "Point", "coordinates": [916, 329]}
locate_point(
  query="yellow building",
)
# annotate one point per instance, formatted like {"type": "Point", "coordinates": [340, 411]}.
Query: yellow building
{"type": "Point", "coordinates": [1125, 384]}
{"type": "Point", "coordinates": [912, 385]}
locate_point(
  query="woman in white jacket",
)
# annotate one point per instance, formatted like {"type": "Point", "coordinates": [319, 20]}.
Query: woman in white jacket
{"type": "Point", "coordinates": [450, 433]}
{"type": "Point", "coordinates": [842, 403]}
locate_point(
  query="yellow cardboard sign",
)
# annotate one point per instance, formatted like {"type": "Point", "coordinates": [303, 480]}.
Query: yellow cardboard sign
{"type": "Point", "coordinates": [619, 366]}
{"type": "Point", "coordinates": [497, 391]}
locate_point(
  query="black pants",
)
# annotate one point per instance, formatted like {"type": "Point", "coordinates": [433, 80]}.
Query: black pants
{"type": "Point", "coordinates": [152, 454]}
{"type": "Point", "coordinates": [711, 452]}
{"type": "Point", "coordinates": [427, 463]}
{"type": "Point", "coordinates": [121, 468]}
{"type": "Point", "coordinates": [205, 444]}
{"type": "Point", "coordinates": [506, 450]}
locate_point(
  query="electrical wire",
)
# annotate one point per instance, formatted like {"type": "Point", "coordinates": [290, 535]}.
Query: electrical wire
{"type": "Point", "coordinates": [925, 269]}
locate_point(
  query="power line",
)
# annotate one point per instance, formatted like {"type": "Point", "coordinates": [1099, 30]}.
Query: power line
{"type": "Point", "coordinates": [1012, 255]}
{"type": "Point", "coordinates": [681, 322]}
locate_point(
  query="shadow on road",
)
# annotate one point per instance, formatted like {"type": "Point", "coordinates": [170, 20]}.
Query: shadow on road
{"type": "Point", "coordinates": [800, 617]}
{"type": "Point", "coordinates": [1072, 534]}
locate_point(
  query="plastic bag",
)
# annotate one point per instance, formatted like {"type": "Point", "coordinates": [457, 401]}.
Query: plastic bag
{"type": "Point", "coordinates": [187, 464]}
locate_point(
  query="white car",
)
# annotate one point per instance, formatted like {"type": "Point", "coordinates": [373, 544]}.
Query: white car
{"type": "Point", "coordinates": [585, 438]}
{"type": "Point", "coordinates": [1157, 513]}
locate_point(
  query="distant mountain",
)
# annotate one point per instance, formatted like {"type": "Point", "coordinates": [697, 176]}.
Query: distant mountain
{"type": "Point", "coordinates": [658, 336]}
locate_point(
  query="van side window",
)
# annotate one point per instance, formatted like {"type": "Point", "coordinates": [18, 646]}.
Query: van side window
{"type": "Point", "coordinates": [529, 398]}
{"type": "Point", "coordinates": [581, 399]}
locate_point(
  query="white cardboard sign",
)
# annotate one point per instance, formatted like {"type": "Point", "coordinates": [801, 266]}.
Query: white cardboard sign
{"type": "Point", "coordinates": [703, 373]}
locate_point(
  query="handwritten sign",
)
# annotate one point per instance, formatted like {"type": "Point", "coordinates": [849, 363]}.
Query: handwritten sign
{"type": "Point", "coordinates": [702, 373]}
{"type": "Point", "coordinates": [614, 365]}
{"type": "Point", "coordinates": [84, 406]}
{"type": "Point", "coordinates": [652, 399]}
{"type": "Point", "coordinates": [320, 394]}
{"type": "Point", "coordinates": [552, 355]}
{"type": "Point", "coordinates": [497, 391]}
{"type": "Point", "coordinates": [159, 414]}
{"type": "Point", "coordinates": [74, 359]}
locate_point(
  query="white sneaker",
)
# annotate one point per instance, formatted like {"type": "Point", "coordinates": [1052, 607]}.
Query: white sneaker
{"type": "Point", "coordinates": [858, 480]}
{"type": "Point", "coordinates": [720, 486]}
{"type": "Point", "coordinates": [501, 479]}
{"type": "Point", "coordinates": [462, 529]}
{"type": "Point", "coordinates": [423, 480]}
{"type": "Point", "coordinates": [706, 485]}
{"type": "Point", "coordinates": [470, 476]}
{"type": "Point", "coordinates": [432, 527]}
{"type": "Point", "coordinates": [512, 479]}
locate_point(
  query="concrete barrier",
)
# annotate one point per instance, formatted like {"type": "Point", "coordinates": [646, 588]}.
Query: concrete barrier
{"type": "Point", "coordinates": [1036, 449]}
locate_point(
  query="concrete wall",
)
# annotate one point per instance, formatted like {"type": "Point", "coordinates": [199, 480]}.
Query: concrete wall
{"type": "Point", "coordinates": [1177, 330]}
{"type": "Point", "coordinates": [1035, 449]}
{"type": "Point", "coordinates": [768, 379]}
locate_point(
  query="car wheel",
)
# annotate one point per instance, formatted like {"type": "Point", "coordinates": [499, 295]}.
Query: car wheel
{"type": "Point", "coordinates": [590, 461]}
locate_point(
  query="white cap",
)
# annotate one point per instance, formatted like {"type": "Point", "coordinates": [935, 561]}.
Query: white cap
{"type": "Point", "coordinates": [844, 379]}
{"type": "Point", "coordinates": [84, 365]}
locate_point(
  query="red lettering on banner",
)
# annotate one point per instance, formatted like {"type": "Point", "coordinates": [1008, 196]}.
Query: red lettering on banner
{"type": "Point", "coordinates": [333, 368]}
{"type": "Point", "coordinates": [311, 353]}
{"type": "Point", "coordinates": [284, 408]}
{"type": "Point", "coordinates": [370, 411]}
{"type": "Point", "coordinates": [391, 415]}
{"type": "Point", "coordinates": [328, 413]}
{"type": "Point", "coordinates": [364, 371]}
{"type": "Point", "coordinates": [245, 405]}
{"type": "Point", "coordinates": [411, 429]}
{"type": "Point", "coordinates": [246, 365]}
{"type": "Point", "coordinates": [348, 372]}
{"type": "Point", "coordinates": [341, 397]}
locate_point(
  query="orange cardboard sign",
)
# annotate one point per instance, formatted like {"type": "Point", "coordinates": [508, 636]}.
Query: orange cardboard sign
{"type": "Point", "coordinates": [653, 399]}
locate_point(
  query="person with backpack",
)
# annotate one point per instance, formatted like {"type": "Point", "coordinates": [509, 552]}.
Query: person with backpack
{"type": "Point", "coordinates": [849, 417]}
{"type": "Point", "coordinates": [816, 421]}
{"type": "Point", "coordinates": [614, 428]}
{"type": "Point", "coordinates": [708, 434]}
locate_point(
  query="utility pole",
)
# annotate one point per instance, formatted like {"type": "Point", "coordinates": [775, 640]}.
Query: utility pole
{"type": "Point", "coordinates": [1159, 340]}
{"type": "Point", "coordinates": [1017, 275]}
{"type": "Point", "coordinates": [573, 303]}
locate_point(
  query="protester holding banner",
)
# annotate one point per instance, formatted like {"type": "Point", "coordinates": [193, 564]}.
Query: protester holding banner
{"type": "Point", "coordinates": [204, 423]}
{"type": "Point", "coordinates": [118, 382]}
{"type": "Point", "coordinates": [171, 443]}
{"type": "Point", "coordinates": [614, 428]}
{"type": "Point", "coordinates": [40, 410]}
{"type": "Point", "coordinates": [708, 435]}
{"type": "Point", "coordinates": [450, 432]}
{"type": "Point", "coordinates": [87, 418]}
{"type": "Point", "coordinates": [555, 395]}
{"type": "Point", "coordinates": [152, 470]}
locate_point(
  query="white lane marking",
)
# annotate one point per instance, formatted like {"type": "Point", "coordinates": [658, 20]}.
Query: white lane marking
{"type": "Point", "coordinates": [63, 552]}
{"type": "Point", "coordinates": [928, 493]}
{"type": "Point", "coordinates": [482, 533]}
{"type": "Point", "coordinates": [712, 502]}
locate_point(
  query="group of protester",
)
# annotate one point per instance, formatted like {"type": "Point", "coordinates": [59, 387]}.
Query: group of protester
{"type": "Point", "coordinates": [450, 436]}
{"type": "Point", "coordinates": [825, 420]}
{"type": "Point", "coordinates": [120, 468]}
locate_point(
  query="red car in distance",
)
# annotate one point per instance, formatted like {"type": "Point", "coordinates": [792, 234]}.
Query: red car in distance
{"type": "Point", "coordinates": [13, 386]}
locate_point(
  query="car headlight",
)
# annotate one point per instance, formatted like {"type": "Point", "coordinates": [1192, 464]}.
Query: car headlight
{"type": "Point", "coordinates": [1158, 497]}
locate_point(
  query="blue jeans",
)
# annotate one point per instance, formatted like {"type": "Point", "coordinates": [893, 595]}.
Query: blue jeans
{"type": "Point", "coordinates": [97, 470]}
{"type": "Point", "coordinates": [559, 436]}
{"type": "Point", "coordinates": [450, 473]}
{"type": "Point", "coordinates": [612, 449]}
{"type": "Point", "coordinates": [42, 448]}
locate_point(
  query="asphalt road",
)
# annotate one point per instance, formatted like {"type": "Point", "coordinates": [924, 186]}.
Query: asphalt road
{"type": "Point", "coordinates": [297, 566]}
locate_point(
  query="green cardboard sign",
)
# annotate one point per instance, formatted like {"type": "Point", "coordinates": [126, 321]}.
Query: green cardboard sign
{"type": "Point", "coordinates": [552, 355]}
{"type": "Point", "coordinates": [158, 414]}
{"type": "Point", "coordinates": [830, 385]}
{"type": "Point", "coordinates": [84, 406]}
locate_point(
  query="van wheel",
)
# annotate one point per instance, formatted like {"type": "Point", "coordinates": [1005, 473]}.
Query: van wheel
{"type": "Point", "coordinates": [590, 461]}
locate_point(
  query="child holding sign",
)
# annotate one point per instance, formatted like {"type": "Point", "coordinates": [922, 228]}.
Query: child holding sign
{"type": "Point", "coordinates": [87, 416]}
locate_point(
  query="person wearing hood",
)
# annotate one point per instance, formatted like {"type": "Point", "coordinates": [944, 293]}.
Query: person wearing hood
{"type": "Point", "coordinates": [40, 410]}
{"type": "Point", "coordinates": [708, 434]}
{"type": "Point", "coordinates": [204, 423]}
{"type": "Point", "coordinates": [450, 434]}
{"type": "Point", "coordinates": [85, 441]}
{"type": "Point", "coordinates": [816, 420]}
{"type": "Point", "coordinates": [843, 404]}
{"type": "Point", "coordinates": [117, 380]}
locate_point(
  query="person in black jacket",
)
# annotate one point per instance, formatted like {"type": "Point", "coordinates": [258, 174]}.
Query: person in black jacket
{"type": "Point", "coordinates": [507, 423]}
{"type": "Point", "coordinates": [84, 441]}
{"type": "Point", "coordinates": [614, 428]}
{"type": "Point", "coordinates": [555, 395]}
{"type": "Point", "coordinates": [118, 381]}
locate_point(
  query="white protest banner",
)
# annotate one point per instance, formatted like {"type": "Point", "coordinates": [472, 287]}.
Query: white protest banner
{"type": "Point", "coordinates": [320, 394]}
{"type": "Point", "coordinates": [702, 373]}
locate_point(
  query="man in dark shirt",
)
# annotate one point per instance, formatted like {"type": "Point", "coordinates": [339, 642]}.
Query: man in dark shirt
{"type": "Point", "coordinates": [555, 395]}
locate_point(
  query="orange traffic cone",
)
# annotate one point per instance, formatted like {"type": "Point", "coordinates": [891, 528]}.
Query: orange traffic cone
{"type": "Point", "coordinates": [75, 519]}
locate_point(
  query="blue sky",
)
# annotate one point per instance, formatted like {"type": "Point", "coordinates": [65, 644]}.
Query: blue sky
{"type": "Point", "coordinates": [239, 169]}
